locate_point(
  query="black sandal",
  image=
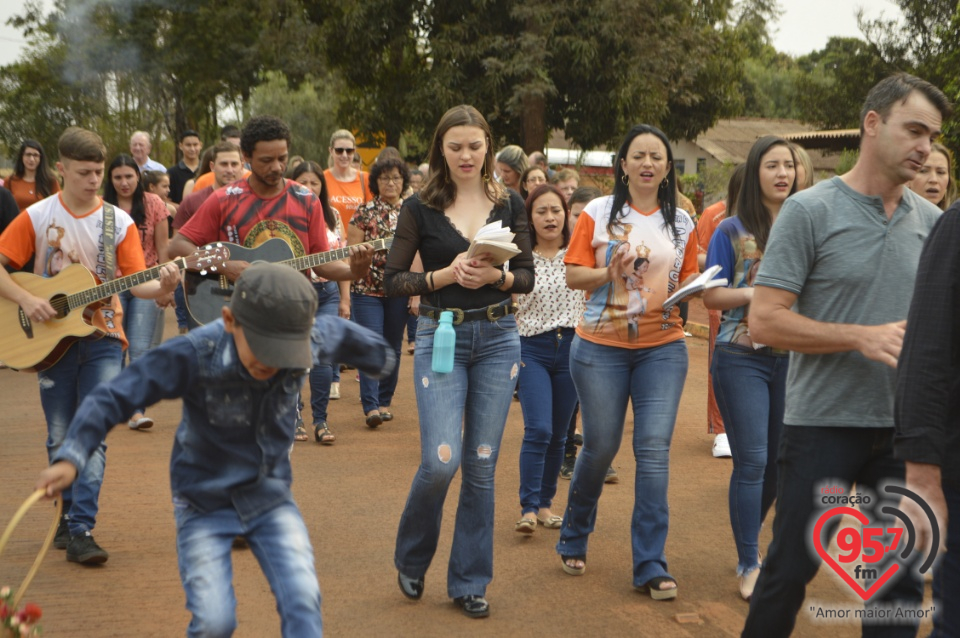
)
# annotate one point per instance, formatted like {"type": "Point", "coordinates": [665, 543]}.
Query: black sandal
{"type": "Point", "coordinates": [652, 587]}
{"type": "Point", "coordinates": [322, 433]}
{"type": "Point", "coordinates": [473, 606]}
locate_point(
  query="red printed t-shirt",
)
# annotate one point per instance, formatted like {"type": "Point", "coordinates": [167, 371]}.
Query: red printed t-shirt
{"type": "Point", "coordinates": [60, 237]}
{"type": "Point", "coordinates": [628, 313]}
{"type": "Point", "coordinates": [236, 214]}
{"type": "Point", "coordinates": [346, 197]}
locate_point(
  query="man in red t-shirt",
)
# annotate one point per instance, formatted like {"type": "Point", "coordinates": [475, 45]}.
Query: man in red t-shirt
{"type": "Point", "coordinates": [265, 205]}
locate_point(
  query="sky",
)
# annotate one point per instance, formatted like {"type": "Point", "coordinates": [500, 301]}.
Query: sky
{"type": "Point", "coordinates": [804, 27]}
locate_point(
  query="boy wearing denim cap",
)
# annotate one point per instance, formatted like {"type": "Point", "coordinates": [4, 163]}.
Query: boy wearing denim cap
{"type": "Point", "coordinates": [230, 467]}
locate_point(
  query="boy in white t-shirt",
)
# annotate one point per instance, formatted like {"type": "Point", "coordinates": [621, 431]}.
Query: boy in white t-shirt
{"type": "Point", "coordinates": [59, 230]}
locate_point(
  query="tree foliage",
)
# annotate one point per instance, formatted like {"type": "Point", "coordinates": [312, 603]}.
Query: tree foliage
{"type": "Point", "coordinates": [835, 81]}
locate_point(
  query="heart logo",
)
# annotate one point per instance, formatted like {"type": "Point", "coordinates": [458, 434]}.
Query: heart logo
{"type": "Point", "coordinates": [828, 559]}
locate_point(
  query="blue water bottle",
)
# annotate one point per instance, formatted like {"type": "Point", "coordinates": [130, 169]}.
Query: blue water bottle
{"type": "Point", "coordinates": [444, 342]}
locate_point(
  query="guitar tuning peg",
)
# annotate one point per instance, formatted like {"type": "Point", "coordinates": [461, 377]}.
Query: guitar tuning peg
{"type": "Point", "coordinates": [203, 271]}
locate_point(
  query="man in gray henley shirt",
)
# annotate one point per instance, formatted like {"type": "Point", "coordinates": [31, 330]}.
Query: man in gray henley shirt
{"type": "Point", "coordinates": [834, 288]}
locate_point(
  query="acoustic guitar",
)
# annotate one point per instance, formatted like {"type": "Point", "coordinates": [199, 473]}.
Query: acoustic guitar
{"type": "Point", "coordinates": [32, 346]}
{"type": "Point", "coordinates": [207, 293]}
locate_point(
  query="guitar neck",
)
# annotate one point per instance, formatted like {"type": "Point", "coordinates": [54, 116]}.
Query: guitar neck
{"type": "Point", "coordinates": [114, 286]}
{"type": "Point", "coordinates": [317, 259]}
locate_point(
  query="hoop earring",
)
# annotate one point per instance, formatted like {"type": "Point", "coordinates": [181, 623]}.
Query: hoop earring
{"type": "Point", "coordinates": [665, 183]}
{"type": "Point", "coordinates": [486, 174]}
{"type": "Point", "coordinates": [625, 179]}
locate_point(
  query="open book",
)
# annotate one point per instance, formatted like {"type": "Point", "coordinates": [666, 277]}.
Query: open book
{"type": "Point", "coordinates": [496, 240]}
{"type": "Point", "coordinates": [704, 282]}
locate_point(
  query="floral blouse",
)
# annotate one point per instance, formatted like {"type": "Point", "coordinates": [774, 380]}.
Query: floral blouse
{"type": "Point", "coordinates": [377, 219]}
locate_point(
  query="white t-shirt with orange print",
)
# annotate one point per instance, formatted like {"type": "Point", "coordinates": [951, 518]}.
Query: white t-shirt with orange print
{"type": "Point", "coordinates": [60, 237]}
{"type": "Point", "coordinates": [629, 313]}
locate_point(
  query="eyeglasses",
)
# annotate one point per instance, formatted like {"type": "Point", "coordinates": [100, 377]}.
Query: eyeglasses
{"type": "Point", "coordinates": [33, 155]}
{"type": "Point", "coordinates": [341, 151]}
{"type": "Point", "coordinates": [536, 180]}
{"type": "Point", "coordinates": [390, 180]}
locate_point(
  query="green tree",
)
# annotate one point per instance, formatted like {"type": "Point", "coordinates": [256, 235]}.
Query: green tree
{"type": "Point", "coordinates": [926, 42]}
{"type": "Point", "coordinates": [534, 66]}
{"type": "Point", "coordinates": [836, 79]}
{"type": "Point", "coordinates": [310, 109]}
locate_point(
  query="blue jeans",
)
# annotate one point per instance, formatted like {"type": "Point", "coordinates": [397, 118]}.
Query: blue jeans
{"type": "Point", "coordinates": [411, 328]}
{"type": "Point", "coordinates": [328, 295]}
{"type": "Point", "coordinates": [278, 539]}
{"type": "Point", "coordinates": [750, 388]}
{"type": "Point", "coordinates": [62, 387]}
{"type": "Point", "coordinates": [809, 458]}
{"type": "Point", "coordinates": [547, 397]}
{"type": "Point", "coordinates": [607, 377]}
{"type": "Point", "coordinates": [140, 317]}
{"type": "Point", "coordinates": [181, 309]}
{"type": "Point", "coordinates": [462, 416]}
{"type": "Point", "coordinates": [386, 316]}
{"type": "Point", "coordinates": [946, 575]}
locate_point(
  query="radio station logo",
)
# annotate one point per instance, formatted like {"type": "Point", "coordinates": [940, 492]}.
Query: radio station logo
{"type": "Point", "coordinates": [882, 548]}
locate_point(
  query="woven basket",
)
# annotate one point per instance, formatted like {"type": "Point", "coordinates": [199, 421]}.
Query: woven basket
{"type": "Point", "coordinates": [47, 542]}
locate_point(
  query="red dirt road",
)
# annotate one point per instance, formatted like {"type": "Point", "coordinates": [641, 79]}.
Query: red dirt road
{"type": "Point", "coordinates": [351, 496]}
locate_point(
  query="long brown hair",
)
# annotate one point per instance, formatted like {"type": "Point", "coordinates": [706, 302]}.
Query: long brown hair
{"type": "Point", "coordinates": [440, 192]}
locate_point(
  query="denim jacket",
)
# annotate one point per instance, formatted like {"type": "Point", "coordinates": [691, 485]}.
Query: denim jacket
{"type": "Point", "coordinates": [232, 448]}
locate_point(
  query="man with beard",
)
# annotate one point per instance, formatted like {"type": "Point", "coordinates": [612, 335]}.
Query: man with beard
{"type": "Point", "coordinates": [265, 205]}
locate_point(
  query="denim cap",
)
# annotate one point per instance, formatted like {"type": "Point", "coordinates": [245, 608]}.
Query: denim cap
{"type": "Point", "coordinates": [275, 305]}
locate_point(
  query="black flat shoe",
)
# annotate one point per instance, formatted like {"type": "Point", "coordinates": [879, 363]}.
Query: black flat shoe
{"type": "Point", "coordinates": [473, 606]}
{"type": "Point", "coordinates": [411, 587]}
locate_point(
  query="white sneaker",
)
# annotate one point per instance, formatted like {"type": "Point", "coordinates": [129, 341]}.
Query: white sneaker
{"type": "Point", "coordinates": [334, 391]}
{"type": "Point", "coordinates": [721, 447]}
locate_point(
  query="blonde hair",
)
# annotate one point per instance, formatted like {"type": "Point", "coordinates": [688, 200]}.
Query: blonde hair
{"type": "Point", "coordinates": [340, 134]}
{"type": "Point", "coordinates": [803, 158]}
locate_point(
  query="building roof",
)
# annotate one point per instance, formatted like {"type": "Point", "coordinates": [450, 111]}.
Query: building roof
{"type": "Point", "coordinates": [730, 140]}
{"type": "Point", "coordinates": [836, 141]}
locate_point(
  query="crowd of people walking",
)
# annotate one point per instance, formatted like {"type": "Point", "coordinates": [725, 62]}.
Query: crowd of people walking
{"type": "Point", "coordinates": [805, 339]}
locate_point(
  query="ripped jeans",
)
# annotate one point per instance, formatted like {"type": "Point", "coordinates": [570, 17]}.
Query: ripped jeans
{"type": "Point", "coordinates": [462, 417]}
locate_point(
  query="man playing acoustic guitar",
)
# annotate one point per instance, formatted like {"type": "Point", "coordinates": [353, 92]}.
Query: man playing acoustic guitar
{"type": "Point", "coordinates": [60, 230]}
{"type": "Point", "coordinates": [265, 205]}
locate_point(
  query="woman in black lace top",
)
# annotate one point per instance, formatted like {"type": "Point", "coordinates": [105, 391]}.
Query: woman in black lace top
{"type": "Point", "coordinates": [463, 412]}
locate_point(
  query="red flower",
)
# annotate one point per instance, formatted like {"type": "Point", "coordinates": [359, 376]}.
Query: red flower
{"type": "Point", "coordinates": [31, 613]}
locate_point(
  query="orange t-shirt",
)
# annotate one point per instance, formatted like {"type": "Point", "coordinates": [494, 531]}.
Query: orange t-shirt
{"type": "Point", "coordinates": [709, 220]}
{"type": "Point", "coordinates": [59, 237]}
{"type": "Point", "coordinates": [26, 192]}
{"type": "Point", "coordinates": [629, 313]}
{"type": "Point", "coordinates": [347, 197]}
{"type": "Point", "coordinates": [207, 179]}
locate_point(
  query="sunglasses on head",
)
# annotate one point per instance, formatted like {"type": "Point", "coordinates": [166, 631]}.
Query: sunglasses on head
{"type": "Point", "coordinates": [341, 151]}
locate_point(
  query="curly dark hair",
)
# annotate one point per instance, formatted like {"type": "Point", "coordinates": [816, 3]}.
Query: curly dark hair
{"type": "Point", "coordinates": [382, 166]}
{"type": "Point", "coordinates": [262, 128]}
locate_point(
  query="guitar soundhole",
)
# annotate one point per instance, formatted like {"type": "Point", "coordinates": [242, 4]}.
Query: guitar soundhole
{"type": "Point", "coordinates": [61, 305]}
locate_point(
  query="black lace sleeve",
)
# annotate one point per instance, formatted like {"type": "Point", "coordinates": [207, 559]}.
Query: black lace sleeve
{"type": "Point", "coordinates": [522, 265]}
{"type": "Point", "coordinates": [398, 280]}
